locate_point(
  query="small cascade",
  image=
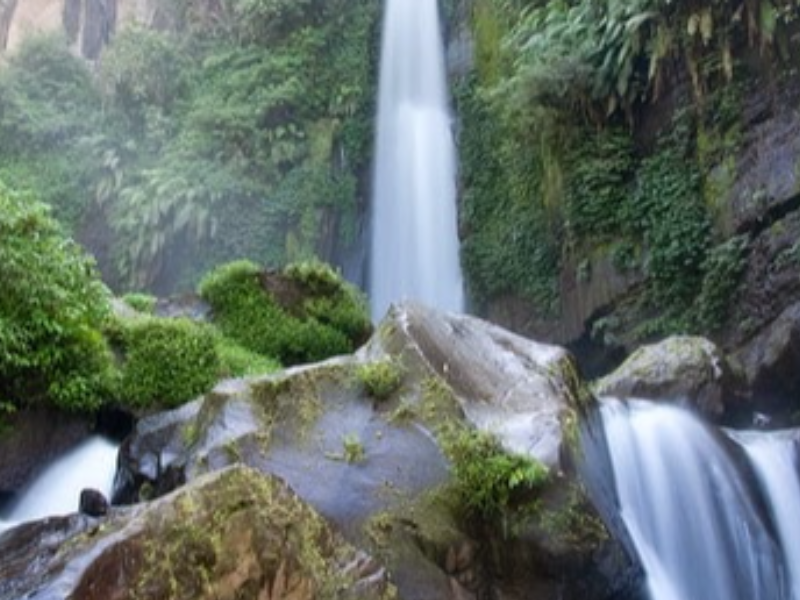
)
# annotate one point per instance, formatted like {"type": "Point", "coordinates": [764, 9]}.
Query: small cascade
{"type": "Point", "coordinates": [57, 490]}
{"type": "Point", "coordinates": [415, 249]}
{"type": "Point", "coordinates": [774, 457]}
{"type": "Point", "coordinates": [694, 520]}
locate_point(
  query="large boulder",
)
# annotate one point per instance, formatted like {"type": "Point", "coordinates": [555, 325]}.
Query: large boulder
{"type": "Point", "coordinates": [232, 534]}
{"type": "Point", "coordinates": [683, 369]}
{"type": "Point", "coordinates": [373, 464]}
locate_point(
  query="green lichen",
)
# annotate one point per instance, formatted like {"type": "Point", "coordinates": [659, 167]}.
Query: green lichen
{"type": "Point", "coordinates": [241, 521]}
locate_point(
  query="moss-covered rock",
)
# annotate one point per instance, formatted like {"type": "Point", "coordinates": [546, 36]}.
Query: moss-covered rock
{"type": "Point", "coordinates": [166, 361]}
{"type": "Point", "coordinates": [305, 313]}
{"type": "Point", "coordinates": [403, 498]}
{"type": "Point", "coordinates": [684, 369]}
{"type": "Point", "coordinates": [232, 534]}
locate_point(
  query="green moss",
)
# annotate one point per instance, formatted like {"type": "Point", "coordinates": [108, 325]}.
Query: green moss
{"type": "Point", "coordinates": [311, 313]}
{"type": "Point", "coordinates": [352, 450]}
{"type": "Point", "coordinates": [237, 361]}
{"type": "Point", "coordinates": [188, 550]}
{"type": "Point", "coordinates": [381, 378]}
{"type": "Point", "coordinates": [295, 400]}
{"type": "Point", "coordinates": [166, 362]}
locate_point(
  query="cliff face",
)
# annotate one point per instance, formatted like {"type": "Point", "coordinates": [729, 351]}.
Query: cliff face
{"type": "Point", "coordinates": [679, 213]}
{"type": "Point", "coordinates": [87, 24]}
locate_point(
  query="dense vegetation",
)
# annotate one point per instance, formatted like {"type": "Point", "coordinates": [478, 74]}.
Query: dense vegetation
{"type": "Point", "coordinates": [239, 131]}
{"type": "Point", "coordinates": [53, 309]}
{"type": "Point", "coordinates": [61, 345]}
{"type": "Point", "coordinates": [557, 95]}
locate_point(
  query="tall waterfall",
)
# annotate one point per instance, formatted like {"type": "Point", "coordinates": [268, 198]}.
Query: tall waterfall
{"type": "Point", "coordinates": [414, 222]}
{"type": "Point", "coordinates": [693, 517]}
{"type": "Point", "coordinates": [57, 490]}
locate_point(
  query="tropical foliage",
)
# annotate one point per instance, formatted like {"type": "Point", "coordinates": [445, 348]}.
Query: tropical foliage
{"type": "Point", "coordinates": [53, 309]}
{"type": "Point", "coordinates": [240, 131]}
{"type": "Point", "coordinates": [558, 172]}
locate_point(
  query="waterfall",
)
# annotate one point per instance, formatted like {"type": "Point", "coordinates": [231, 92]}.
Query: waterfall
{"type": "Point", "coordinates": [687, 504]}
{"type": "Point", "coordinates": [774, 457]}
{"type": "Point", "coordinates": [414, 221]}
{"type": "Point", "coordinates": [56, 491]}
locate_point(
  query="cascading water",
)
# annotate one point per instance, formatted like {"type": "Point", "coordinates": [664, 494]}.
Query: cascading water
{"type": "Point", "coordinates": [56, 491]}
{"type": "Point", "coordinates": [688, 508]}
{"type": "Point", "coordinates": [774, 457]}
{"type": "Point", "coordinates": [414, 221]}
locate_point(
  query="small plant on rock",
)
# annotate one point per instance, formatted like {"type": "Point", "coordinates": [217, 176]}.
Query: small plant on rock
{"type": "Point", "coordinates": [486, 475]}
{"type": "Point", "coordinates": [381, 378]}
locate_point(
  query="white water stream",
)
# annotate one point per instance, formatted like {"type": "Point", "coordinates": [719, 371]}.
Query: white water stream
{"type": "Point", "coordinates": [57, 490]}
{"type": "Point", "coordinates": [689, 507]}
{"type": "Point", "coordinates": [774, 457]}
{"type": "Point", "coordinates": [415, 249]}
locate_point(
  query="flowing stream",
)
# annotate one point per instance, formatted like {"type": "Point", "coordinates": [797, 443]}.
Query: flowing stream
{"type": "Point", "coordinates": [695, 518]}
{"type": "Point", "coordinates": [414, 223]}
{"type": "Point", "coordinates": [56, 491]}
{"type": "Point", "coordinates": [774, 456]}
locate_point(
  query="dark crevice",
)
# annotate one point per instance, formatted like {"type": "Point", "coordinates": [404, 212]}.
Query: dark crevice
{"type": "Point", "coordinates": [778, 211]}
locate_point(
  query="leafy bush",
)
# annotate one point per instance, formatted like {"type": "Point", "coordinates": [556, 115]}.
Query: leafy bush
{"type": "Point", "coordinates": [486, 475]}
{"type": "Point", "coordinates": [291, 328]}
{"type": "Point", "coordinates": [166, 361]}
{"type": "Point", "coordinates": [52, 309]}
{"type": "Point", "coordinates": [380, 378]}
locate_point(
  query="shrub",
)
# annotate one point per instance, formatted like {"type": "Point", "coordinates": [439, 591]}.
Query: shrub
{"type": "Point", "coordinates": [486, 475]}
{"type": "Point", "coordinates": [166, 361]}
{"type": "Point", "coordinates": [381, 378]}
{"type": "Point", "coordinates": [52, 309]}
{"type": "Point", "coordinates": [308, 315]}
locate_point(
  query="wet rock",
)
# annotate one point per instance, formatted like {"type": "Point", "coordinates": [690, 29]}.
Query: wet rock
{"type": "Point", "coordinates": [513, 387]}
{"type": "Point", "coordinates": [32, 439]}
{"type": "Point", "coordinates": [146, 457]}
{"type": "Point", "coordinates": [93, 503]}
{"type": "Point", "coordinates": [301, 423]}
{"type": "Point", "coordinates": [770, 362]}
{"type": "Point", "coordinates": [232, 534]}
{"type": "Point", "coordinates": [682, 369]}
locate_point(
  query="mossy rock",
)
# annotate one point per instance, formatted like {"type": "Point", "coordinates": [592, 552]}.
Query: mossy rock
{"type": "Point", "coordinates": [233, 534]}
{"type": "Point", "coordinates": [684, 369]}
{"type": "Point", "coordinates": [302, 314]}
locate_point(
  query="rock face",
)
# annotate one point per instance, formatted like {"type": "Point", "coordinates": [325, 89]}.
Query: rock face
{"type": "Point", "coordinates": [505, 384]}
{"type": "Point", "coordinates": [87, 24]}
{"type": "Point", "coordinates": [771, 360]}
{"type": "Point", "coordinates": [375, 469]}
{"type": "Point", "coordinates": [231, 534]}
{"type": "Point", "coordinates": [688, 370]}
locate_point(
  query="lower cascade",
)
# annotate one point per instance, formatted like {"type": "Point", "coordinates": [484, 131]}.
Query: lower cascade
{"type": "Point", "coordinates": [92, 464]}
{"type": "Point", "coordinates": [774, 457]}
{"type": "Point", "coordinates": [698, 523]}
